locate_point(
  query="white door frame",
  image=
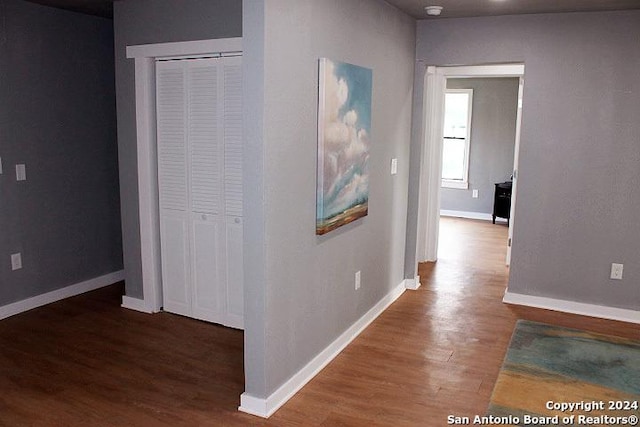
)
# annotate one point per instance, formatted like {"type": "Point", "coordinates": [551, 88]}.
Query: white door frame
{"type": "Point", "coordinates": [145, 57]}
{"type": "Point", "coordinates": [516, 159]}
{"type": "Point", "coordinates": [431, 160]}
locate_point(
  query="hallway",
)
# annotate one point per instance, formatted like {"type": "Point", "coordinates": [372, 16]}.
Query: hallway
{"type": "Point", "coordinates": [436, 351]}
{"type": "Point", "coordinates": [86, 361]}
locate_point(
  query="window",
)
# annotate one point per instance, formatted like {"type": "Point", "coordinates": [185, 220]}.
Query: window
{"type": "Point", "coordinates": [456, 135]}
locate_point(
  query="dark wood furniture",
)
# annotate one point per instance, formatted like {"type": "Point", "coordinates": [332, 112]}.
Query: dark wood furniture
{"type": "Point", "coordinates": [502, 200]}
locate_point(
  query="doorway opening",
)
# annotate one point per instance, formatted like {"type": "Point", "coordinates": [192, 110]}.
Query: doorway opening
{"type": "Point", "coordinates": [479, 126]}
{"type": "Point", "coordinates": [431, 179]}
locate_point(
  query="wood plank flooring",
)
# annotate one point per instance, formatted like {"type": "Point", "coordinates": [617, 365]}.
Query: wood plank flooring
{"type": "Point", "coordinates": [437, 351]}
{"type": "Point", "coordinates": [86, 361]}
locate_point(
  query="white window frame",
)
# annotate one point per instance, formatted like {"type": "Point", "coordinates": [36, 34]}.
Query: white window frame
{"type": "Point", "coordinates": [464, 183]}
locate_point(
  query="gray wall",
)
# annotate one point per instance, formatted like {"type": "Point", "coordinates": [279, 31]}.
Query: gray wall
{"type": "Point", "coordinates": [301, 289]}
{"type": "Point", "coordinates": [578, 196]}
{"type": "Point", "coordinates": [493, 132]}
{"type": "Point", "coordinates": [143, 22]}
{"type": "Point", "coordinates": [57, 115]}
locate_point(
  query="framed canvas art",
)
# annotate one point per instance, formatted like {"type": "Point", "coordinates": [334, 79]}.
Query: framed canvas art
{"type": "Point", "coordinates": [344, 127]}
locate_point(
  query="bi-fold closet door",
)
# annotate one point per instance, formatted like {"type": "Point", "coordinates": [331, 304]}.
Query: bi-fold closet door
{"type": "Point", "coordinates": [199, 122]}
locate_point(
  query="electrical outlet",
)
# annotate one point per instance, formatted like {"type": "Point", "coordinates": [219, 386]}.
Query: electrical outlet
{"type": "Point", "coordinates": [616, 271]}
{"type": "Point", "coordinates": [357, 280]}
{"type": "Point", "coordinates": [16, 261]}
{"type": "Point", "coordinates": [475, 194]}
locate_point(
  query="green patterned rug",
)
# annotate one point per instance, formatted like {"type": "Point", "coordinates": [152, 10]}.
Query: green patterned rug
{"type": "Point", "coordinates": [558, 376]}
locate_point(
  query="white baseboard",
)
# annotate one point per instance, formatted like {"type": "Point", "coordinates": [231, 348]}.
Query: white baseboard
{"type": "Point", "coordinates": [59, 294]}
{"type": "Point", "coordinates": [266, 407]}
{"type": "Point", "coordinates": [136, 304]}
{"type": "Point", "coordinates": [256, 406]}
{"type": "Point", "coordinates": [590, 310]}
{"type": "Point", "coordinates": [412, 284]}
{"type": "Point", "coordinates": [470, 215]}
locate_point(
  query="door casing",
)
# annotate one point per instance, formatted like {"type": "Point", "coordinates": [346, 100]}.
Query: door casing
{"type": "Point", "coordinates": [431, 159]}
{"type": "Point", "coordinates": [145, 57]}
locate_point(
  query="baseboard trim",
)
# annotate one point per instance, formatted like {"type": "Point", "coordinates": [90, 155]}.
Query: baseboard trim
{"type": "Point", "coordinates": [470, 215]}
{"type": "Point", "coordinates": [591, 310]}
{"type": "Point", "coordinates": [255, 406]}
{"type": "Point", "coordinates": [60, 294]}
{"type": "Point", "coordinates": [412, 284]}
{"type": "Point", "coordinates": [136, 304]}
{"type": "Point", "coordinates": [266, 407]}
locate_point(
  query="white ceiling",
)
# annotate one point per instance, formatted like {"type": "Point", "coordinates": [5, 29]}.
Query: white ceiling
{"type": "Point", "coordinates": [468, 8]}
{"type": "Point", "coordinates": [415, 8]}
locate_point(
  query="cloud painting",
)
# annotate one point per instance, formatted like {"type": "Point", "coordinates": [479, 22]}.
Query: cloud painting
{"type": "Point", "coordinates": [344, 126]}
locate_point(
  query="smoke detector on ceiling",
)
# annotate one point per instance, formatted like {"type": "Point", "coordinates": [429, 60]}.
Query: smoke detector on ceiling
{"type": "Point", "coordinates": [433, 10]}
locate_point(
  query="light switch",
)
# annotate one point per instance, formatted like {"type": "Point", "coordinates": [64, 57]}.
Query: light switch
{"type": "Point", "coordinates": [16, 261]}
{"type": "Point", "coordinates": [394, 166]}
{"type": "Point", "coordinates": [21, 172]}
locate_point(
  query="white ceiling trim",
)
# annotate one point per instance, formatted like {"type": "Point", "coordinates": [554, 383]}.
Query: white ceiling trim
{"type": "Point", "coordinates": [498, 70]}
{"type": "Point", "coordinates": [197, 47]}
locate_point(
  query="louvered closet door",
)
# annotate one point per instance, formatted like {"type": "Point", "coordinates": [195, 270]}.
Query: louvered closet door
{"type": "Point", "coordinates": [199, 110]}
{"type": "Point", "coordinates": [205, 118]}
{"type": "Point", "coordinates": [173, 187]}
{"type": "Point", "coordinates": [232, 125]}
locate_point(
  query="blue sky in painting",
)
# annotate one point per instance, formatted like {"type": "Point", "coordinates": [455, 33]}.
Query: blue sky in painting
{"type": "Point", "coordinates": [359, 80]}
{"type": "Point", "coordinates": [343, 181]}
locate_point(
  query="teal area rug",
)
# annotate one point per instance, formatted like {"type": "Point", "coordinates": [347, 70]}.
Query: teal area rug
{"type": "Point", "coordinates": [558, 376]}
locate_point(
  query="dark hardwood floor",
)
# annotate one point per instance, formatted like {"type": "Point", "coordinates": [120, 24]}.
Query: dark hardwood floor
{"type": "Point", "coordinates": [86, 361]}
{"type": "Point", "coordinates": [436, 351]}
